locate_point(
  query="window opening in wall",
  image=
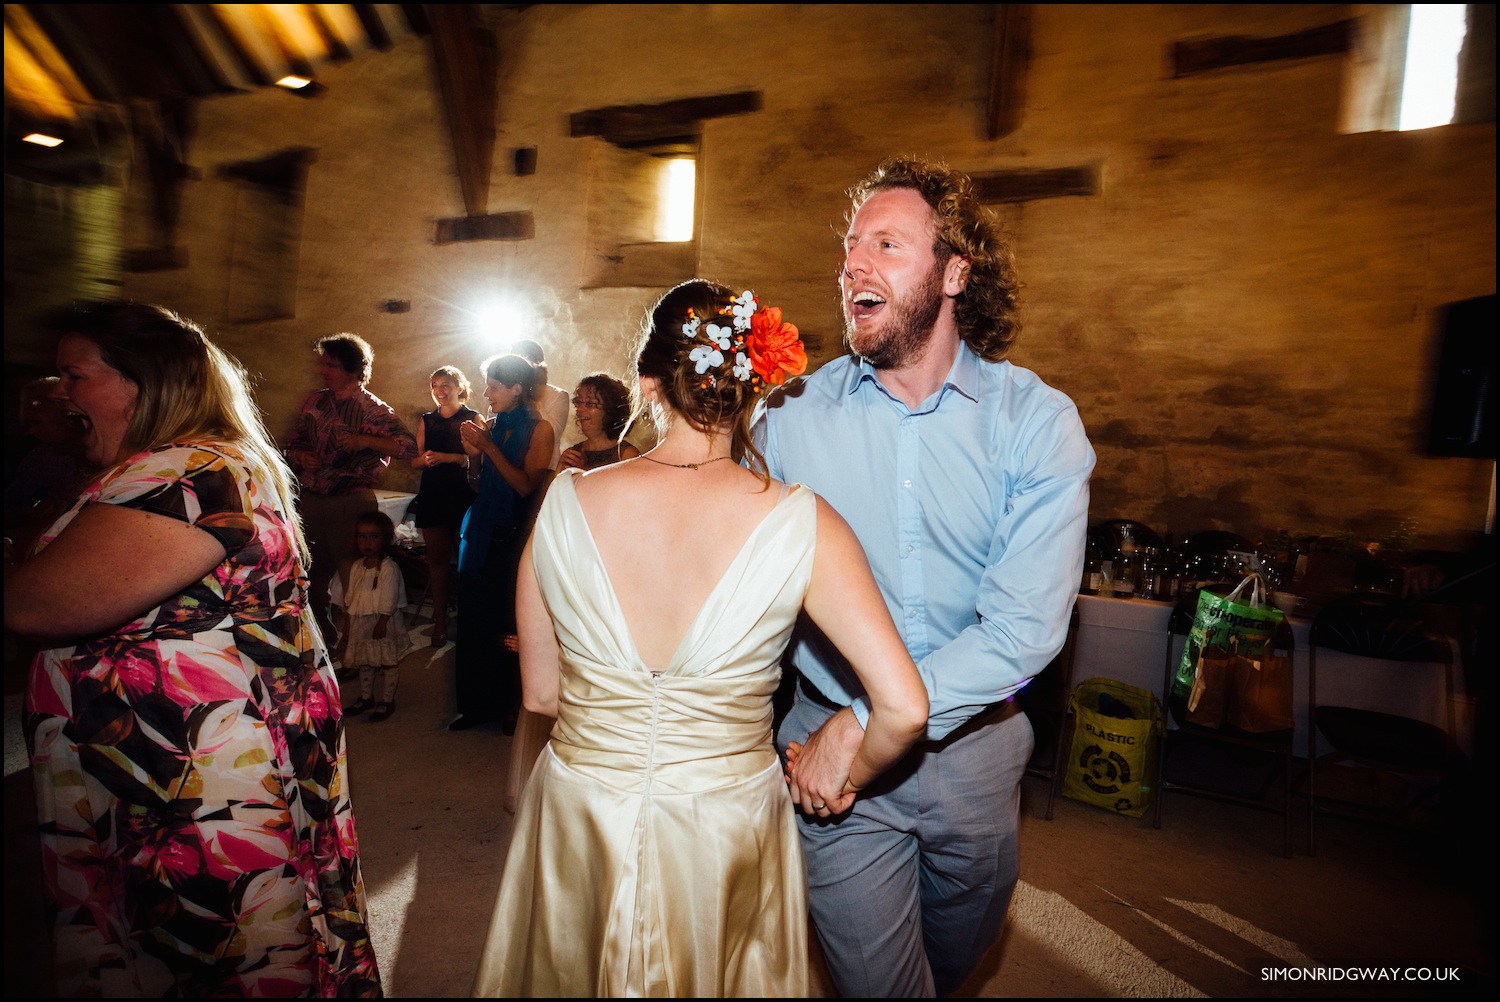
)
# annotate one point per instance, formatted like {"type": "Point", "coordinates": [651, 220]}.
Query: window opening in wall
{"type": "Point", "coordinates": [677, 194]}
{"type": "Point", "coordinates": [1429, 86]}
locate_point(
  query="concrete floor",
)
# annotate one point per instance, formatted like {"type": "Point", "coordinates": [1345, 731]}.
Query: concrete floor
{"type": "Point", "coordinates": [1106, 907]}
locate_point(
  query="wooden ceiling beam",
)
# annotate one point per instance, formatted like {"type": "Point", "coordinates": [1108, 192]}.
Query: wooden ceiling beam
{"type": "Point", "coordinates": [333, 45]}
{"type": "Point", "coordinates": [369, 18]}
{"type": "Point", "coordinates": [1010, 57]}
{"type": "Point", "coordinates": [465, 57]}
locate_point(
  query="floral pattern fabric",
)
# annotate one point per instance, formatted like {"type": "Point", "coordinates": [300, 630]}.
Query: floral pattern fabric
{"type": "Point", "coordinates": [197, 834]}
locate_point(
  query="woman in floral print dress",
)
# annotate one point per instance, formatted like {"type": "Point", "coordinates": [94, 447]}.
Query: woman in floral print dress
{"type": "Point", "coordinates": [185, 732]}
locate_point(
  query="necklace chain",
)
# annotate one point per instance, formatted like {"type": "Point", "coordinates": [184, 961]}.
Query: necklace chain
{"type": "Point", "coordinates": [684, 466]}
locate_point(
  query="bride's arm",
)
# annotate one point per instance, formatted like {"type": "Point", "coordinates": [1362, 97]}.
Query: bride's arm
{"type": "Point", "coordinates": [540, 673]}
{"type": "Point", "coordinates": [845, 603]}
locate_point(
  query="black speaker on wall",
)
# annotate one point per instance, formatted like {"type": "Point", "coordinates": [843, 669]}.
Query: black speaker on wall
{"type": "Point", "coordinates": [1463, 395]}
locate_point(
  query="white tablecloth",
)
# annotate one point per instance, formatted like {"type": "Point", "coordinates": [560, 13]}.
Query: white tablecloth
{"type": "Point", "coordinates": [394, 504]}
{"type": "Point", "coordinates": [1125, 639]}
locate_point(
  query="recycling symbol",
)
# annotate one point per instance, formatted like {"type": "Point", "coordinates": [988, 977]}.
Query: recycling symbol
{"type": "Point", "coordinates": [1103, 772]}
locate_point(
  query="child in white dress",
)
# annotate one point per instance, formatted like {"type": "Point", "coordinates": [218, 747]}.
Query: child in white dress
{"type": "Point", "coordinates": [371, 620]}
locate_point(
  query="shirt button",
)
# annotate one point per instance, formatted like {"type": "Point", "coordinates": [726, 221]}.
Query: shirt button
{"type": "Point", "coordinates": [906, 484]}
{"type": "Point", "coordinates": [909, 547]}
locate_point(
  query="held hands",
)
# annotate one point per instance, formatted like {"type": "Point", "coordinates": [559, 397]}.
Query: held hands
{"type": "Point", "coordinates": [572, 459]}
{"type": "Point", "coordinates": [817, 772]}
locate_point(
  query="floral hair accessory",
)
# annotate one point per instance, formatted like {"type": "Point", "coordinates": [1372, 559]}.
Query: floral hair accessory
{"type": "Point", "coordinates": [765, 349]}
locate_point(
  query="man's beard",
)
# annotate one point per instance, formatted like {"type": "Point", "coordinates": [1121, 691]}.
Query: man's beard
{"type": "Point", "coordinates": [905, 329]}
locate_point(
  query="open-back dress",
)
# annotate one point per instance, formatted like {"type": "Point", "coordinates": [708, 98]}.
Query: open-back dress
{"type": "Point", "coordinates": [655, 851]}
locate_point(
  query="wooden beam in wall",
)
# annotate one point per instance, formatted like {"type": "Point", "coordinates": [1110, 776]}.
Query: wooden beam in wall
{"type": "Point", "coordinates": [1026, 184]}
{"type": "Point", "coordinates": [1009, 59]}
{"type": "Point", "coordinates": [464, 50]}
{"type": "Point", "coordinates": [1203, 55]}
{"type": "Point", "coordinates": [495, 226]}
{"type": "Point", "coordinates": [369, 19]}
{"type": "Point", "coordinates": [632, 125]}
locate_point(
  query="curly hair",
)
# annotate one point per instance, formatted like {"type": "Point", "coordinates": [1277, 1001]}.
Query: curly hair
{"type": "Point", "coordinates": [352, 352]}
{"type": "Point", "coordinates": [455, 376]}
{"type": "Point", "coordinates": [987, 310]}
{"type": "Point", "coordinates": [614, 398]}
{"type": "Point", "coordinates": [706, 404]}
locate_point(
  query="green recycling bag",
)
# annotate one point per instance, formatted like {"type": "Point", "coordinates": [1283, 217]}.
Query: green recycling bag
{"type": "Point", "coordinates": [1112, 759]}
{"type": "Point", "coordinates": [1242, 622]}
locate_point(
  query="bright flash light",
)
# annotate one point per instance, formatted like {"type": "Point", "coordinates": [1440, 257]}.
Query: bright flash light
{"type": "Point", "coordinates": [498, 323]}
{"type": "Point", "coordinates": [41, 139]}
{"type": "Point", "coordinates": [1430, 84]}
{"type": "Point", "coordinates": [674, 220]}
{"type": "Point", "coordinates": [293, 82]}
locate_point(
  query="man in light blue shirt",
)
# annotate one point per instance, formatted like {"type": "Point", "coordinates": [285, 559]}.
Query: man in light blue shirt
{"type": "Point", "coordinates": [966, 480]}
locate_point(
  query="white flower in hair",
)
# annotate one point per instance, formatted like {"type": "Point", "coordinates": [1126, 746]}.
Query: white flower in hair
{"type": "Point", "coordinates": [744, 309]}
{"type": "Point", "coordinates": [690, 329]}
{"type": "Point", "coordinates": [742, 369]}
{"type": "Point", "coordinates": [720, 336]}
{"type": "Point", "coordinates": [706, 357]}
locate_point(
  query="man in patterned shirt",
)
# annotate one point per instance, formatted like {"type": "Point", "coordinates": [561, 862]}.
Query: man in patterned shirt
{"type": "Point", "coordinates": [344, 436]}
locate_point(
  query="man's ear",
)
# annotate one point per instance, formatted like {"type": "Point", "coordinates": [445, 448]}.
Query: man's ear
{"type": "Point", "coordinates": [955, 275]}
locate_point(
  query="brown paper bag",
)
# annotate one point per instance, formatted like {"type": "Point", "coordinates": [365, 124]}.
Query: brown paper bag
{"type": "Point", "coordinates": [1262, 694]}
{"type": "Point", "coordinates": [1213, 683]}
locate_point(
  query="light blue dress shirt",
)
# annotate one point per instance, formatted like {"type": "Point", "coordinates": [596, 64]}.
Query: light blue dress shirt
{"type": "Point", "coordinates": [972, 508]}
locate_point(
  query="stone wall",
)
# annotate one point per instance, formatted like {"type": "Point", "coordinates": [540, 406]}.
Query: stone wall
{"type": "Point", "coordinates": [1244, 313]}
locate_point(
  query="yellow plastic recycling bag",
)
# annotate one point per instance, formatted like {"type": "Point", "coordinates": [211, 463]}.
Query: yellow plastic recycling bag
{"type": "Point", "coordinates": [1112, 759]}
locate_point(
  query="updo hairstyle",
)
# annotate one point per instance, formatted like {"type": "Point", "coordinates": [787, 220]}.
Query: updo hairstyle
{"type": "Point", "coordinates": [710, 401]}
{"type": "Point", "coordinates": [513, 370]}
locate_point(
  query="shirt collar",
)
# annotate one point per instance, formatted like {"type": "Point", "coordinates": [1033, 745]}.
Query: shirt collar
{"type": "Point", "coordinates": [963, 377]}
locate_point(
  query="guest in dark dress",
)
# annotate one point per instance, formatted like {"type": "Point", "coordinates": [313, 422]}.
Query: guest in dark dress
{"type": "Point", "coordinates": [602, 405]}
{"type": "Point", "coordinates": [445, 495]}
{"type": "Point", "coordinates": [509, 455]}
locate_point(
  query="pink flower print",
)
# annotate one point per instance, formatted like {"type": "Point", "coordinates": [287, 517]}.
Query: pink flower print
{"type": "Point", "coordinates": [253, 849]}
{"type": "Point", "coordinates": [47, 693]}
{"type": "Point", "coordinates": [277, 546]}
{"type": "Point", "coordinates": [316, 705]}
{"type": "Point", "coordinates": [178, 857]}
{"type": "Point", "coordinates": [136, 673]}
{"type": "Point", "coordinates": [189, 680]}
{"type": "Point", "coordinates": [348, 843]}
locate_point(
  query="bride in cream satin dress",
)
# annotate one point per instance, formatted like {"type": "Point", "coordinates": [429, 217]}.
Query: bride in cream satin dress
{"type": "Point", "coordinates": [655, 850]}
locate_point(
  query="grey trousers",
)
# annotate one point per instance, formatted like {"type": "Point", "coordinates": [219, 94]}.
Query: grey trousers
{"type": "Point", "coordinates": [910, 888]}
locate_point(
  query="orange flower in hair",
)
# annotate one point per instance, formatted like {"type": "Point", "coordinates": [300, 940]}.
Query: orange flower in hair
{"type": "Point", "coordinates": [774, 347]}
